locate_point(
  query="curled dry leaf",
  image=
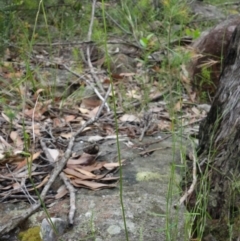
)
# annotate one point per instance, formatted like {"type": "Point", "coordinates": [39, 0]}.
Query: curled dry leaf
{"type": "Point", "coordinates": [36, 94]}
{"type": "Point", "coordinates": [91, 102]}
{"type": "Point", "coordinates": [61, 192]}
{"type": "Point", "coordinates": [129, 118]}
{"type": "Point", "coordinates": [93, 112]}
{"type": "Point", "coordinates": [4, 147]}
{"type": "Point", "coordinates": [16, 139]}
{"type": "Point", "coordinates": [37, 112]}
{"type": "Point", "coordinates": [84, 159]}
{"type": "Point", "coordinates": [87, 173]}
{"type": "Point", "coordinates": [57, 122]}
{"type": "Point", "coordinates": [91, 185]}
{"type": "Point", "coordinates": [30, 159]}
{"type": "Point", "coordinates": [16, 185]}
{"type": "Point", "coordinates": [196, 111]}
{"type": "Point", "coordinates": [178, 106]}
{"type": "Point", "coordinates": [95, 166]}
{"type": "Point", "coordinates": [69, 118]}
{"type": "Point", "coordinates": [6, 118]}
{"type": "Point", "coordinates": [83, 110]}
{"type": "Point", "coordinates": [67, 135]}
{"type": "Point", "coordinates": [110, 178]}
{"type": "Point", "coordinates": [43, 182]}
{"type": "Point", "coordinates": [54, 154]}
{"type": "Point", "coordinates": [113, 165]}
{"type": "Point", "coordinates": [73, 174]}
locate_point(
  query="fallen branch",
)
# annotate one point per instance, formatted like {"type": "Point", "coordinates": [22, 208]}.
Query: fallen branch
{"type": "Point", "coordinates": [15, 221]}
{"type": "Point", "coordinates": [71, 190]}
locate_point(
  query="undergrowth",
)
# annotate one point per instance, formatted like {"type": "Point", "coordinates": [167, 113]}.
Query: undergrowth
{"type": "Point", "coordinates": [150, 27]}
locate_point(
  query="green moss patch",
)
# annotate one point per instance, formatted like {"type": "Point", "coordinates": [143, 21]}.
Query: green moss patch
{"type": "Point", "coordinates": [32, 234]}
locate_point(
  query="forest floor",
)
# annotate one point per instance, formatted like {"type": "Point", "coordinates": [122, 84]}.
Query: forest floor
{"type": "Point", "coordinates": [143, 117]}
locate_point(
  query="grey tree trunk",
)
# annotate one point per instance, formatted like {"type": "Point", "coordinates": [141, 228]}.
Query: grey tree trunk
{"type": "Point", "coordinates": [217, 193]}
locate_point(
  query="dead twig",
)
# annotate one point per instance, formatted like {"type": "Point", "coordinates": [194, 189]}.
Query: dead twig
{"type": "Point", "coordinates": [194, 174]}
{"type": "Point", "coordinates": [22, 186]}
{"type": "Point", "coordinates": [71, 190]}
{"type": "Point", "coordinates": [88, 48]}
{"type": "Point", "coordinates": [15, 221]}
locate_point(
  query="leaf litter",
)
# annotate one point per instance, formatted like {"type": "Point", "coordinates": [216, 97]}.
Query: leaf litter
{"type": "Point", "coordinates": [57, 108]}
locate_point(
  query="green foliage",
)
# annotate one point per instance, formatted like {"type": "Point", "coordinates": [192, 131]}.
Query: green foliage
{"type": "Point", "coordinates": [7, 10]}
{"type": "Point", "coordinates": [194, 33]}
{"type": "Point", "coordinates": [146, 41]}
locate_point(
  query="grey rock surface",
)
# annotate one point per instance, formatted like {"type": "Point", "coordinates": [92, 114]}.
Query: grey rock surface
{"type": "Point", "coordinates": [51, 229]}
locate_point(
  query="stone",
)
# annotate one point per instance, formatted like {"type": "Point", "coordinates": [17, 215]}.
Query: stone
{"type": "Point", "coordinates": [114, 229]}
{"type": "Point", "coordinates": [48, 233]}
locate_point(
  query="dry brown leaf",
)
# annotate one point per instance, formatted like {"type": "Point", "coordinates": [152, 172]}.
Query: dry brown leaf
{"type": "Point", "coordinates": [44, 181]}
{"type": "Point", "coordinates": [3, 144]}
{"type": "Point", "coordinates": [83, 110]}
{"type": "Point", "coordinates": [129, 118]}
{"type": "Point", "coordinates": [16, 139]}
{"type": "Point", "coordinates": [134, 94]}
{"type": "Point", "coordinates": [110, 179]}
{"type": "Point", "coordinates": [16, 185]}
{"type": "Point", "coordinates": [61, 192]}
{"type": "Point", "coordinates": [24, 173]}
{"type": "Point", "coordinates": [69, 118]}
{"type": "Point", "coordinates": [23, 163]}
{"type": "Point", "coordinates": [92, 176]}
{"type": "Point", "coordinates": [75, 174]}
{"type": "Point", "coordinates": [37, 113]}
{"type": "Point", "coordinates": [193, 96]}
{"type": "Point", "coordinates": [39, 109]}
{"type": "Point", "coordinates": [17, 74]}
{"type": "Point", "coordinates": [156, 109]}
{"type": "Point", "coordinates": [95, 166]}
{"type": "Point", "coordinates": [91, 102]}
{"type": "Point", "coordinates": [67, 135]}
{"type": "Point", "coordinates": [178, 106]}
{"type": "Point", "coordinates": [54, 153]}
{"type": "Point", "coordinates": [86, 173]}
{"type": "Point", "coordinates": [36, 129]}
{"type": "Point", "coordinates": [57, 122]}
{"type": "Point", "coordinates": [6, 118]}
{"type": "Point", "coordinates": [112, 165]}
{"type": "Point", "coordinates": [84, 159]}
{"type": "Point", "coordinates": [127, 74]}
{"type": "Point", "coordinates": [6, 188]}
{"type": "Point", "coordinates": [163, 125]}
{"type": "Point", "coordinates": [196, 111]}
{"type": "Point", "coordinates": [91, 185]}
{"type": "Point", "coordinates": [93, 112]}
{"type": "Point", "coordinates": [36, 94]}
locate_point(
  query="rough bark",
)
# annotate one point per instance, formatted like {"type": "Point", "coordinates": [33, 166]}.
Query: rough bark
{"type": "Point", "coordinates": [210, 48]}
{"type": "Point", "coordinates": [217, 192]}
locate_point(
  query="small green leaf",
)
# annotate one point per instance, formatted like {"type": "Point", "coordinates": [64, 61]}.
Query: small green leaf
{"type": "Point", "coordinates": [144, 42]}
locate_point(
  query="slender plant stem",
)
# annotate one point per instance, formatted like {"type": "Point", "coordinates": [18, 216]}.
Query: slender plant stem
{"type": "Point", "coordinates": [116, 125]}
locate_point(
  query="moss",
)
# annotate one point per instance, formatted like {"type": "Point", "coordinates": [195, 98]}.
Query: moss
{"type": "Point", "coordinates": [149, 176]}
{"type": "Point", "coordinates": [32, 234]}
